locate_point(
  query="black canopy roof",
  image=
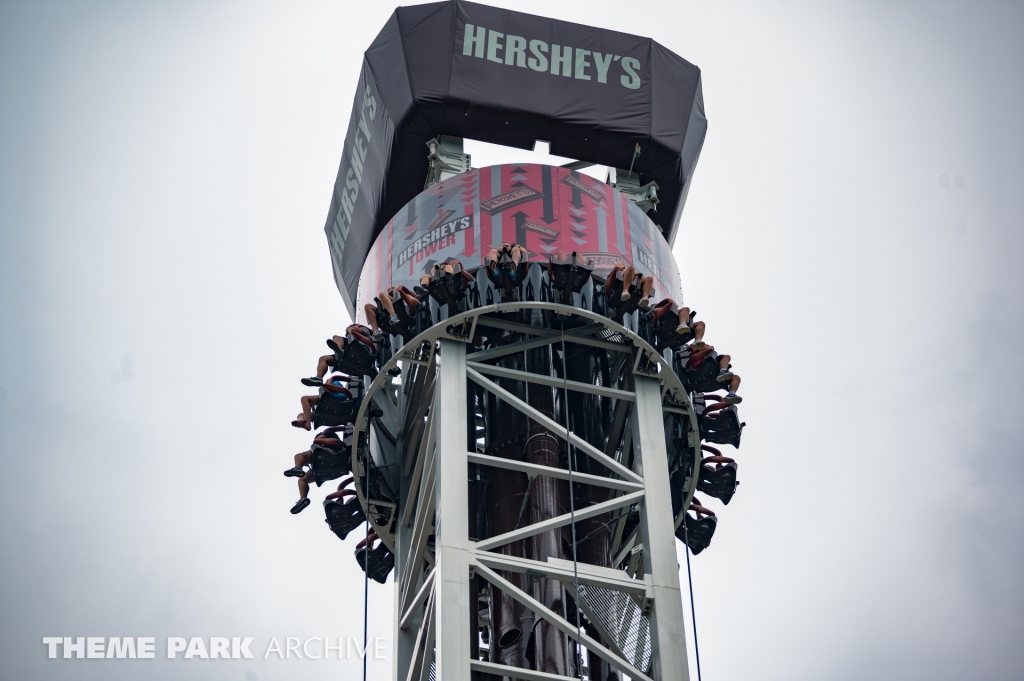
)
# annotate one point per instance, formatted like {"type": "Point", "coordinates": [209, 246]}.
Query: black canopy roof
{"type": "Point", "coordinates": [468, 70]}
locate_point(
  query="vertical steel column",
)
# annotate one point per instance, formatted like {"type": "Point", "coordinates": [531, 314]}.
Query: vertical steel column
{"type": "Point", "coordinates": [452, 547]}
{"type": "Point", "coordinates": [404, 641]}
{"type": "Point", "coordinates": [668, 637]}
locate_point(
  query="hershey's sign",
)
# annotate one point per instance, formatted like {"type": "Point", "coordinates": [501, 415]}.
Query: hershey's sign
{"type": "Point", "coordinates": [537, 55]}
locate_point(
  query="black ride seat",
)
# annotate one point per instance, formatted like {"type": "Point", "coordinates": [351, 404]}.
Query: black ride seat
{"type": "Point", "coordinates": [617, 307]}
{"type": "Point", "coordinates": [357, 358]}
{"type": "Point", "coordinates": [342, 518]}
{"type": "Point", "coordinates": [697, 533]}
{"type": "Point", "coordinates": [406, 327]}
{"type": "Point", "coordinates": [723, 427]}
{"type": "Point", "coordinates": [449, 289]}
{"type": "Point", "coordinates": [663, 330]}
{"type": "Point", "coordinates": [509, 276]}
{"type": "Point", "coordinates": [381, 562]}
{"type": "Point", "coordinates": [330, 463]}
{"type": "Point", "coordinates": [568, 276]}
{"type": "Point", "coordinates": [720, 483]}
{"type": "Point", "coordinates": [703, 378]}
{"type": "Point", "coordinates": [334, 410]}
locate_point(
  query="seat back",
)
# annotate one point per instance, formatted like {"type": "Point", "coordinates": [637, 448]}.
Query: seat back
{"type": "Point", "coordinates": [663, 330]}
{"type": "Point", "coordinates": [343, 518]}
{"type": "Point", "coordinates": [356, 358]}
{"type": "Point", "coordinates": [702, 378]}
{"type": "Point", "coordinates": [508, 279]}
{"type": "Point", "coordinates": [448, 289]}
{"type": "Point", "coordinates": [380, 563]}
{"type": "Point", "coordinates": [331, 411]}
{"type": "Point", "coordinates": [617, 307]}
{"type": "Point", "coordinates": [721, 483]}
{"type": "Point", "coordinates": [697, 533]}
{"type": "Point", "coordinates": [724, 428]}
{"type": "Point", "coordinates": [407, 326]}
{"type": "Point", "coordinates": [568, 277]}
{"type": "Point", "coordinates": [328, 464]}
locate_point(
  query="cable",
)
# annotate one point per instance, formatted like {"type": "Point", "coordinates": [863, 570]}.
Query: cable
{"type": "Point", "coordinates": [366, 558]}
{"type": "Point", "coordinates": [572, 509]}
{"type": "Point", "coordinates": [689, 578]}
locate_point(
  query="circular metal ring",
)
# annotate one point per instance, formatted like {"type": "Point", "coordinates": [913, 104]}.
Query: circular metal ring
{"type": "Point", "coordinates": [679, 400]}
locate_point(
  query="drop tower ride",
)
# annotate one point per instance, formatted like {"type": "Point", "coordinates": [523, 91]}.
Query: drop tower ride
{"type": "Point", "coordinates": [527, 444]}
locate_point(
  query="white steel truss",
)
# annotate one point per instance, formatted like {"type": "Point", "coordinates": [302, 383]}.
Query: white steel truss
{"type": "Point", "coordinates": [422, 435]}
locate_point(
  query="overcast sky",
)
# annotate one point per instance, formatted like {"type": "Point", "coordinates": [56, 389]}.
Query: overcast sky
{"type": "Point", "coordinates": [854, 236]}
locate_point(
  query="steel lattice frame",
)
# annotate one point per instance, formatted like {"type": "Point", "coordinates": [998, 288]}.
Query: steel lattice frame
{"type": "Point", "coordinates": [425, 424]}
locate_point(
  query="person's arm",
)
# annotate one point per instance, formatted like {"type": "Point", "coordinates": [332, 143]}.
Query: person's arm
{"type": "Point", "coordinates": [362, 337]}
{"type": "Point", "coordinates": [695, 505]}
{"type": "Point", "coordinates": [701, 354]}
{"type": "Point", "coordinates": [331, 440]}
{"type": "Point", "coordinates": [334, 377]}
{"type": "Point", "coordinates": [368, 541]}
{"type": "Point", "coordinates": [340, 493]}
{"type": "Point", "coordinates": [336, 389]}
{"type": "Point", "coordinates": [716, 459]}
{"type": "Point", "coordinates": [409, 298]}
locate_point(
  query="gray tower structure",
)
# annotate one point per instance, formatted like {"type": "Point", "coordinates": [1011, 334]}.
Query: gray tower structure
{"type": "Point", "coordinates": [528, 436]}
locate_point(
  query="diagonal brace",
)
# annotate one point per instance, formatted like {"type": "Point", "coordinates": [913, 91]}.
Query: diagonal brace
{"type": "Point", "coordinates": [560, 623]}
{"type": "Point", "coordinates": [558, 521]}
{"type": "Point", "coordinates": [552, 381]}
{"type": "Point", "coordinates": [533, 469]}
{"type": "Point", "coordinates": [552, 426]}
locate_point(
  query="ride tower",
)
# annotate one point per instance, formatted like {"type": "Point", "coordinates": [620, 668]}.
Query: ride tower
{"type": "Point", "coordinates": [527, 440]}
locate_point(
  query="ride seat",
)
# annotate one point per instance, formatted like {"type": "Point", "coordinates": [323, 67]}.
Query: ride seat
{"type": "Point", "coordinates": [342, 518]}
{"type": "Point", "coordinates": [330, 463]}
{"type": "Point", "coordinates": [381, 562]}
{"type": "Point", "coordinates": [720, 483]}
{"type": "Point", "coordinates": [663, 330]}
{"type": "Point", "coordinates": [702, 378]}
{"type": "Point", "coordinates": [449, 289]}
{"type": "Point", "coordinates": [508, 277]}
{"type": "Point", "coordinates": [406, 327]}
{"type": "Point", "coordinates": [568, 276]}
{"type": "Point", "coordinates": [697, 533]}
{"type": "Point", "coordinates": [357, 358]}
{"type": "Point", "coordinates": [724, 428]}
{"type": "Point", "coordinates": [617, 307]}
{"type": "Point", "coordinates": [332, 410]}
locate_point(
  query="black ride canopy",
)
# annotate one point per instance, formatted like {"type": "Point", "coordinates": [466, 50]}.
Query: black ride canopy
{"type": "Point", "coordinates": [593, 94]}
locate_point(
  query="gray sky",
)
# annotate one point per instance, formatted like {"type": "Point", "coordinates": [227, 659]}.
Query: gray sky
{"type": "Point", "coordinates": [853, 237]}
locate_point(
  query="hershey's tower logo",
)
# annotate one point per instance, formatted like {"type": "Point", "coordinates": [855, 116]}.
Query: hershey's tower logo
{"type": "Point", "coordinates": [580, 64]}
{"type": "Point", "coordinates": [356, 155]}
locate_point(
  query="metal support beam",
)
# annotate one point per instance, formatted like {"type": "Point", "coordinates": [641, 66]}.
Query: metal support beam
{"type": "Point", "coordinates": [423, 451]}
{"type": "Point", "coordinates": [668, 637]}
{"type": "Point", "coordinates": [561, 624]}
{"type": "Point", "coordinates": [421, 530]}
{"type": "Point", "coordinates": [532, 469]}
{"type": "Point", "coordinates": [452, 546]}
{"type": "Point", "coordinates": [553, 427]}
{"type": "Point", "coordinates": [561, 521]}
{"type": "Point", "coordinates": [564, 571]}
{"type": "Point", "coordinates": [434, 614]}
{"type": "Point", "coordinates": [424, 646]}
{"type": "Point", "coordinates": [574, 336]}
{"type": "Point", "coordinates": [516, 672]}
{"type": "Point", "coordinates": [417, 600]}
{"type": "Point", "coordinates": [551, 381]}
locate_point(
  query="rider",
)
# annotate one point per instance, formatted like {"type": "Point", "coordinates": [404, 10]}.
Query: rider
{"type": "Point", "coordinates": [336, 388]}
